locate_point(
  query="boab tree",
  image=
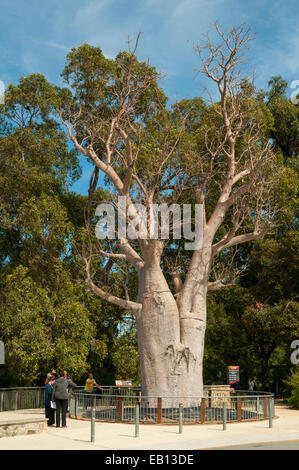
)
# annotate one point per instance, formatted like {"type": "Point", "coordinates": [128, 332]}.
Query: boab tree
{"type": "Point", "coordinates": [151, 154]}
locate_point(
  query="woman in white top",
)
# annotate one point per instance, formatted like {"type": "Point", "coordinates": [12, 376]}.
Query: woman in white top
{"type": "Point", "coordinates": [251, 384]}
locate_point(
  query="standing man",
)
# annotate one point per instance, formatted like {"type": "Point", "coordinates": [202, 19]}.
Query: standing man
{"type": "Point", "coordinates": [89, 384]}
{"type": "Point", "coordinates": [60, 396]}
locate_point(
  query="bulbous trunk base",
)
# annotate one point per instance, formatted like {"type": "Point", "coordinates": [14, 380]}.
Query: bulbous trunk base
{"type": "Point", "coordinates": [168, 367]}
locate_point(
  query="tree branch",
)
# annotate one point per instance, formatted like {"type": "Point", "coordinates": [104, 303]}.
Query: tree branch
{"type": "Point", "coordinates": [245, 237]}
{"type": "Point", "coordinates": [126, 304]}
{"type": "Point", "coordinates": [216, 285]}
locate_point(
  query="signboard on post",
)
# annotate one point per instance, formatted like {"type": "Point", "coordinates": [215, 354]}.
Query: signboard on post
{"type": "Point", "coordinates": [233, 373]}
{"type": "Point", "coordinates": [123, 383]}
{"type": "Point", "coordinates": [2, 353]}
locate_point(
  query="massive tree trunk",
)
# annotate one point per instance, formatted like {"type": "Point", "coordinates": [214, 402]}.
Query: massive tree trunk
{"type": "Point", "coordinates": [170, 332]}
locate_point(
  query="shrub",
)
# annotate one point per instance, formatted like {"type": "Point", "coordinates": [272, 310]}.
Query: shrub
{"type": "Point", "coordinates": [293, 400]}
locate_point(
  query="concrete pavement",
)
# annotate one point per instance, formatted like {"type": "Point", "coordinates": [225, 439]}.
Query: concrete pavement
{"type": "Point", "coordinates": [121, 436]}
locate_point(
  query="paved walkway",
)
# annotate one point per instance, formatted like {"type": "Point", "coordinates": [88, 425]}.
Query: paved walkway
{"type": "Point", "coordinates": [119, 436]}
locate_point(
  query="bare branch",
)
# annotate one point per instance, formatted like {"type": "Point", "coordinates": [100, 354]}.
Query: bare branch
{"type": "Point", "coordinates": [245, 237]}
{"type": "Point", "coordinates": [219, 284]}
{"type": "Point", "coordinates": [126, 304]}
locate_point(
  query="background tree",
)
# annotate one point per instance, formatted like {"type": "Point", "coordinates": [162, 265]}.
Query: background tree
{"type": "Point", "coordinates": [44, 320]}
{"type": "Point", "coordinates": [252, 325]}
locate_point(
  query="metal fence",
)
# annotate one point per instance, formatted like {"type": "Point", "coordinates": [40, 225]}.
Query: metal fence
{"type": "Point", "coordinates": [118, 404]}
{"type": "Point", "coordinates": [112, 390]}
{"type": "Point", "coordinates": [154, 410]}
{"type": "Point", "coordinates": [21, 398]}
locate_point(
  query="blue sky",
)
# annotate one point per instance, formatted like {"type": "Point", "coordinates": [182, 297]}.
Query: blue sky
{"type": "Point", "coordinates": [35, 36]}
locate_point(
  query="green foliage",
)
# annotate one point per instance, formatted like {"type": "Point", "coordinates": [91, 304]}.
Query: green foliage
{"type": "Point", "coordinates": [226, 338]}
{"type": "Point", "coordinates": [46, 317]}
{"type": "Point", "coordinates": [293, 383]}
{"type": "Point", "coordinates": [268, 328]}
{"type": "Point", "coordinates": [273, 268]}
{"type": "Point", "coordinates": [101, 86]}
{"type": "Point", "coordinates": [43, 331]}
{"type": "Point", "coordinates": [286, 118]}
{"type": "Point", "coordinates": [125, 358]}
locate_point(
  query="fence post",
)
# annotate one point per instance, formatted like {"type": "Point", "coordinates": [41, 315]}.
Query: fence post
{"type": "Point", "coordinates": [92, 430]}
{"type": "Point", "coordinates": [181, 414]}
{"type": "Point", "coordinates": [239, 401]}
{"type": "Point", "coordinates": [265, 408]}
{"type": "Point", "coordinates": [137, 420]}
{"type": "Point", "coordinates": [270, 412]}
{"type": "Point", "coordinates": [1, 400]}
{"type": "Point", "coordinates": [120, 408]}
{"type": "Point", "coordinates": [159, 410]}
{"type": "Point", "coordinates": [224, 415]}
{"type": "Point", "coordinates": [72, 406]}
{"type": "Point", "coordinates": [19, 399]}
{"type": "Point", "coordinates": [258, 404]}
{"type": "Point", "coordinates": [203, 410]}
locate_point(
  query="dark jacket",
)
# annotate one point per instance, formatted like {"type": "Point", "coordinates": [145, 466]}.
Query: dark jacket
{"type": "Point", "coordinates": [61, 388]}
{"type": "Point", "coordinates": [48, 395]}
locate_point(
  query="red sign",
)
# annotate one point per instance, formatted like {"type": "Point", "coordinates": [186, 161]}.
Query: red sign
{"type": "Point", "coordinates": [123, 383]}
{"type": "Point", "coordinates": [233, 374]}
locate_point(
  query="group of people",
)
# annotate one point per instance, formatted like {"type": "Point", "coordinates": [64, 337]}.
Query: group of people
{"type": "Point", "coordinates": [57, 393]}
{"type": "Point", "coordinates": [57, 390]}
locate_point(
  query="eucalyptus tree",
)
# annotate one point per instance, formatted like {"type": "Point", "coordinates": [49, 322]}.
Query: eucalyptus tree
{"type": "Point", "coordinates": [40, 301]}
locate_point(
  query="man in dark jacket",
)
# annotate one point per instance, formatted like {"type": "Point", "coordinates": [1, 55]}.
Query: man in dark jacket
{"type": "Point", "coordinates": [60, 396]}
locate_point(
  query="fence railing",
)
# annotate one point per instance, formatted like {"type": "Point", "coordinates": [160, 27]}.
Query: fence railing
{"type": "Point", "coordinates": [21, 398]}
{"type": "Point", "coordinates": [118, 404]}
{"type": "Point", "coordinates": [243, 406]}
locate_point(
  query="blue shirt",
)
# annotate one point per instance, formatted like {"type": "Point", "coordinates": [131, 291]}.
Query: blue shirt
{"type": "Point", "coordinates": [48, 395]}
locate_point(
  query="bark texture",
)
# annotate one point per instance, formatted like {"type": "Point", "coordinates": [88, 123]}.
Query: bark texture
{"type": "Point", "coordinates": [170, 330]}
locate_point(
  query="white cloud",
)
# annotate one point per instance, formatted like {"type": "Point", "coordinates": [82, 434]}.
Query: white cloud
{"type": "Point", "coordinates": [56, 45]}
